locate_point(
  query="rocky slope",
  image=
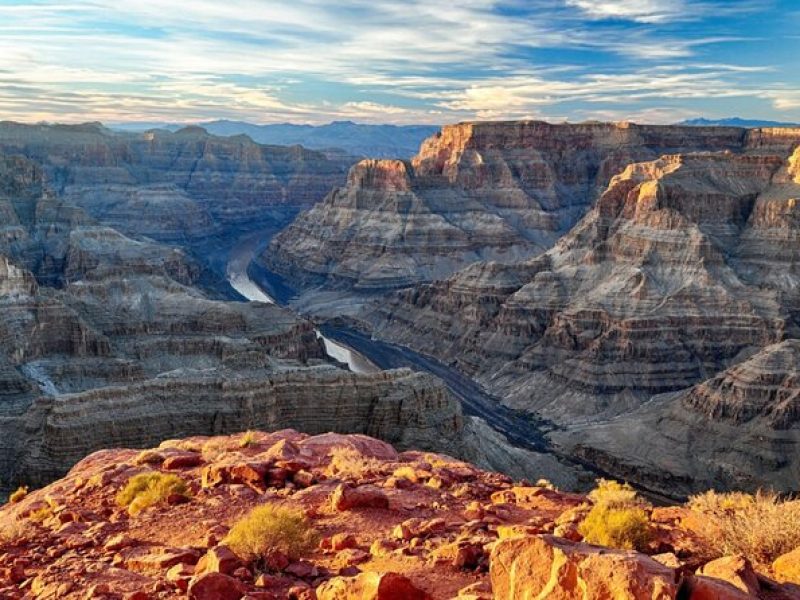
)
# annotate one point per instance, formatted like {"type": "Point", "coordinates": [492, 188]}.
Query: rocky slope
{"type": "Point", "coordinates": [107, 340]}
{"type": "Point", "coordinates": [736, 430]}
{"type": "Point", "coordinates": [387, 525]}
{"type": "Point", "coordinates": [498, 191]}
{"type": "Point", "coordinates": [177, 187]}
{"type": "Point", "coordinates": [686, 266]}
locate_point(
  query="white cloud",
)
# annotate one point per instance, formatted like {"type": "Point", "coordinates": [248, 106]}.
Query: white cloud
{"type": "Point", "coordinates": [382, 60]}
{"type": "Point", "coordinates": [665, 11]}
{"type": "Point", "coordinates": [643, 11]}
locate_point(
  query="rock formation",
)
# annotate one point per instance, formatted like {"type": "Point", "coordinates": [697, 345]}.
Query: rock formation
{"type": "Point", "coordinates": [109, 341]}
{"type": "Point", "coordinates": [686, 266]}
{"type": "Point", "coordinates": [736, 430]}
{"type": "Point", "coordinates": [385, 525]}
{"type": "Point", "coordinates": [106, 341]}
{"type": "Point", "coordinates": [178, 187]}
{"type": "Point", "coordinates": [475, 191]}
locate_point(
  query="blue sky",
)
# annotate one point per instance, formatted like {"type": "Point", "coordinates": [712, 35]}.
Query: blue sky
{"type": "Point", "coordinates": [412, 61]}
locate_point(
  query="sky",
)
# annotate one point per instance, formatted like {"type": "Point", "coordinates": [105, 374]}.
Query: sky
{"type": "Point", "coordinates": [412, 61]}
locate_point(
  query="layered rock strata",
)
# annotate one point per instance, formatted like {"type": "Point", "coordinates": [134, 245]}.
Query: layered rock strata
{"type": "Point", "coordinates": [178, 187]}
{"type": "Point", "coordinates": [107, 341]}
{"type": "Point", "coordinates": [686, 266]}
{"type": "Point", "coordinates": [740, 429]}
{"type": "Point", "coordinates": [476, 191]}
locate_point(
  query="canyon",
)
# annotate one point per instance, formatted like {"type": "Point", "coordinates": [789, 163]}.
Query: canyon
{"type": "Point", "coordinates": [576, 288]}
{"type": "Point", "coordinates": [113, 338]}
{"type": "Point", "coordinates": [639, 334]}
{"type": "Point", "coordinates": [475, 191]}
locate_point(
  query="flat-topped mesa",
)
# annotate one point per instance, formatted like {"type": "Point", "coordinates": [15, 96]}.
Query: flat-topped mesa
{"type": "Point", "coordinates": [439, 153]}
{"type": "Point", "coordinates": [475, 191]}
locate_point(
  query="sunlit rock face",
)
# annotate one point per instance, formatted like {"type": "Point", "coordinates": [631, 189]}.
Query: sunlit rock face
{"type": "Point", "coordinates": [476, 191]}
{"type": "Point", "coordinates": [177, 187]}
{"type": "Point", "coordinates": [686, 266]}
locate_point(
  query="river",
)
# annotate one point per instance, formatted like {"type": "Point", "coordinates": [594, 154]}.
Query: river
{"type": "Point", "coordinates": [236, 272]}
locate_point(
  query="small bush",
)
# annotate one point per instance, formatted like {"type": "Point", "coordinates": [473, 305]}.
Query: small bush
{"type": "Point", "coordinates": [267, 529]}
{"type": "Point", "coordinates": [350, 463]}
{"type": "Point", "coordinates": [625, 528]}
{"type": "Point", "coordinates": [11, 532]}
{"type": "Point", "coordinates": [148, 489]}
{"type": "Point", "coordinates": [213, 448]}
{"type": "Point", "coordinates": [618, 519]}
{"type": "Point", "coordinates": [613, 493]}
{"type": "Point", "coordinates": [41, 515]}
{"type": "Point", "coordinates": [19, 494]}
{"type": "Point", "coordinates": [248, 439]}
{"type": "Point", "coordinates": [547, 484]}
{"type": "Point", "coordinates": [760, 526]}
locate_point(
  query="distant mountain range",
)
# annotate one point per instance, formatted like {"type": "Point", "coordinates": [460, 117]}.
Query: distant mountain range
{"type": "Point", "coordinates": [735, 122]}
{"type": "Point", "coordinates": [379, 141]}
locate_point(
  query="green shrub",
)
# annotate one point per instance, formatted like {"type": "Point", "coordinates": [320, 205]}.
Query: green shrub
{"type": "Point", "coordinates": [148, 489]}
{"type": "Point", "coordinates": [760, 526]}
{"type": "Point", "coordinates": [267, 529]}
{"type": "Point", "coordinates": [618, 518]}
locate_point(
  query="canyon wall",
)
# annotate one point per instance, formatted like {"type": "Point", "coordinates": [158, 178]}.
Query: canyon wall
{"type": "Point", "coordinates": [178, 187]}
{"type": "Point", "coordinates": [686, 266]}
{"type": "Point", "coordinates": [500, 191]}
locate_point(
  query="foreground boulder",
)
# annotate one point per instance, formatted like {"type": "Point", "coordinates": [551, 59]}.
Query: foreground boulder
{"type": "Point", "coordinates": [370, 586]}
{"type": "Point", "coordinates": [347, 497]}
{"type": "Point", "coordinates": [557, 569]}
{"type": "Point", "coordinates": [215, 586]}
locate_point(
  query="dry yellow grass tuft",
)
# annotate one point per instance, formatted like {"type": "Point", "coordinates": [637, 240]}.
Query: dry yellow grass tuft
{"type": "Point", "coordinates": [760, 526]}
{"type": "Point", "coordinates": [11, 532]}
{"type": "Point", "coordinates": [19, 494]}
{"type": "Point", "coordinates": [149, 489]}
{"type": "Point", "coordinates": [248, 439]}
{"type": "Point", "coordinates": [213, 448]}
{"type": "Point", "coordinates": [41, 515]}
{"type": "Point", "coordinates": [269, 528]}
{"type": "Point", "coordinates": [618, 519]}
{"type": "Point", "coordinates": [350, 463]}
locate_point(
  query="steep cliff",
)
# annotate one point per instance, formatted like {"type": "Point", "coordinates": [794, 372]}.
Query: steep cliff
{"type": "Point", "coordinates": [476, 191]}
{"type": "Point", "coordinates": [686, 266]}
{"type": "Point", "coordinates": [106, 341]}
{"type": "Point", "coordinates": [407, 409]}
{"type": "Point", "coordinates": [740, 429]}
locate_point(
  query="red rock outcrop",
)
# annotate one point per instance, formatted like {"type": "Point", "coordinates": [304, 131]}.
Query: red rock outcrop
{"type": "Point", "coordinates": [449, 530]}
{"type": "Point", "coordinates": [550, 567]}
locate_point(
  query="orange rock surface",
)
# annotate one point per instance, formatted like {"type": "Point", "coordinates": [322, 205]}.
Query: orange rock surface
{"type": "Point", "coordinates": [389, 525]}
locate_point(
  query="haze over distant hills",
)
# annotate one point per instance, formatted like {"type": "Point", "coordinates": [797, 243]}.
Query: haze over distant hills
{"type": "Point", "coordinates": [735, 122]}
{"type": "Point", "coordinates": [381, 141]}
